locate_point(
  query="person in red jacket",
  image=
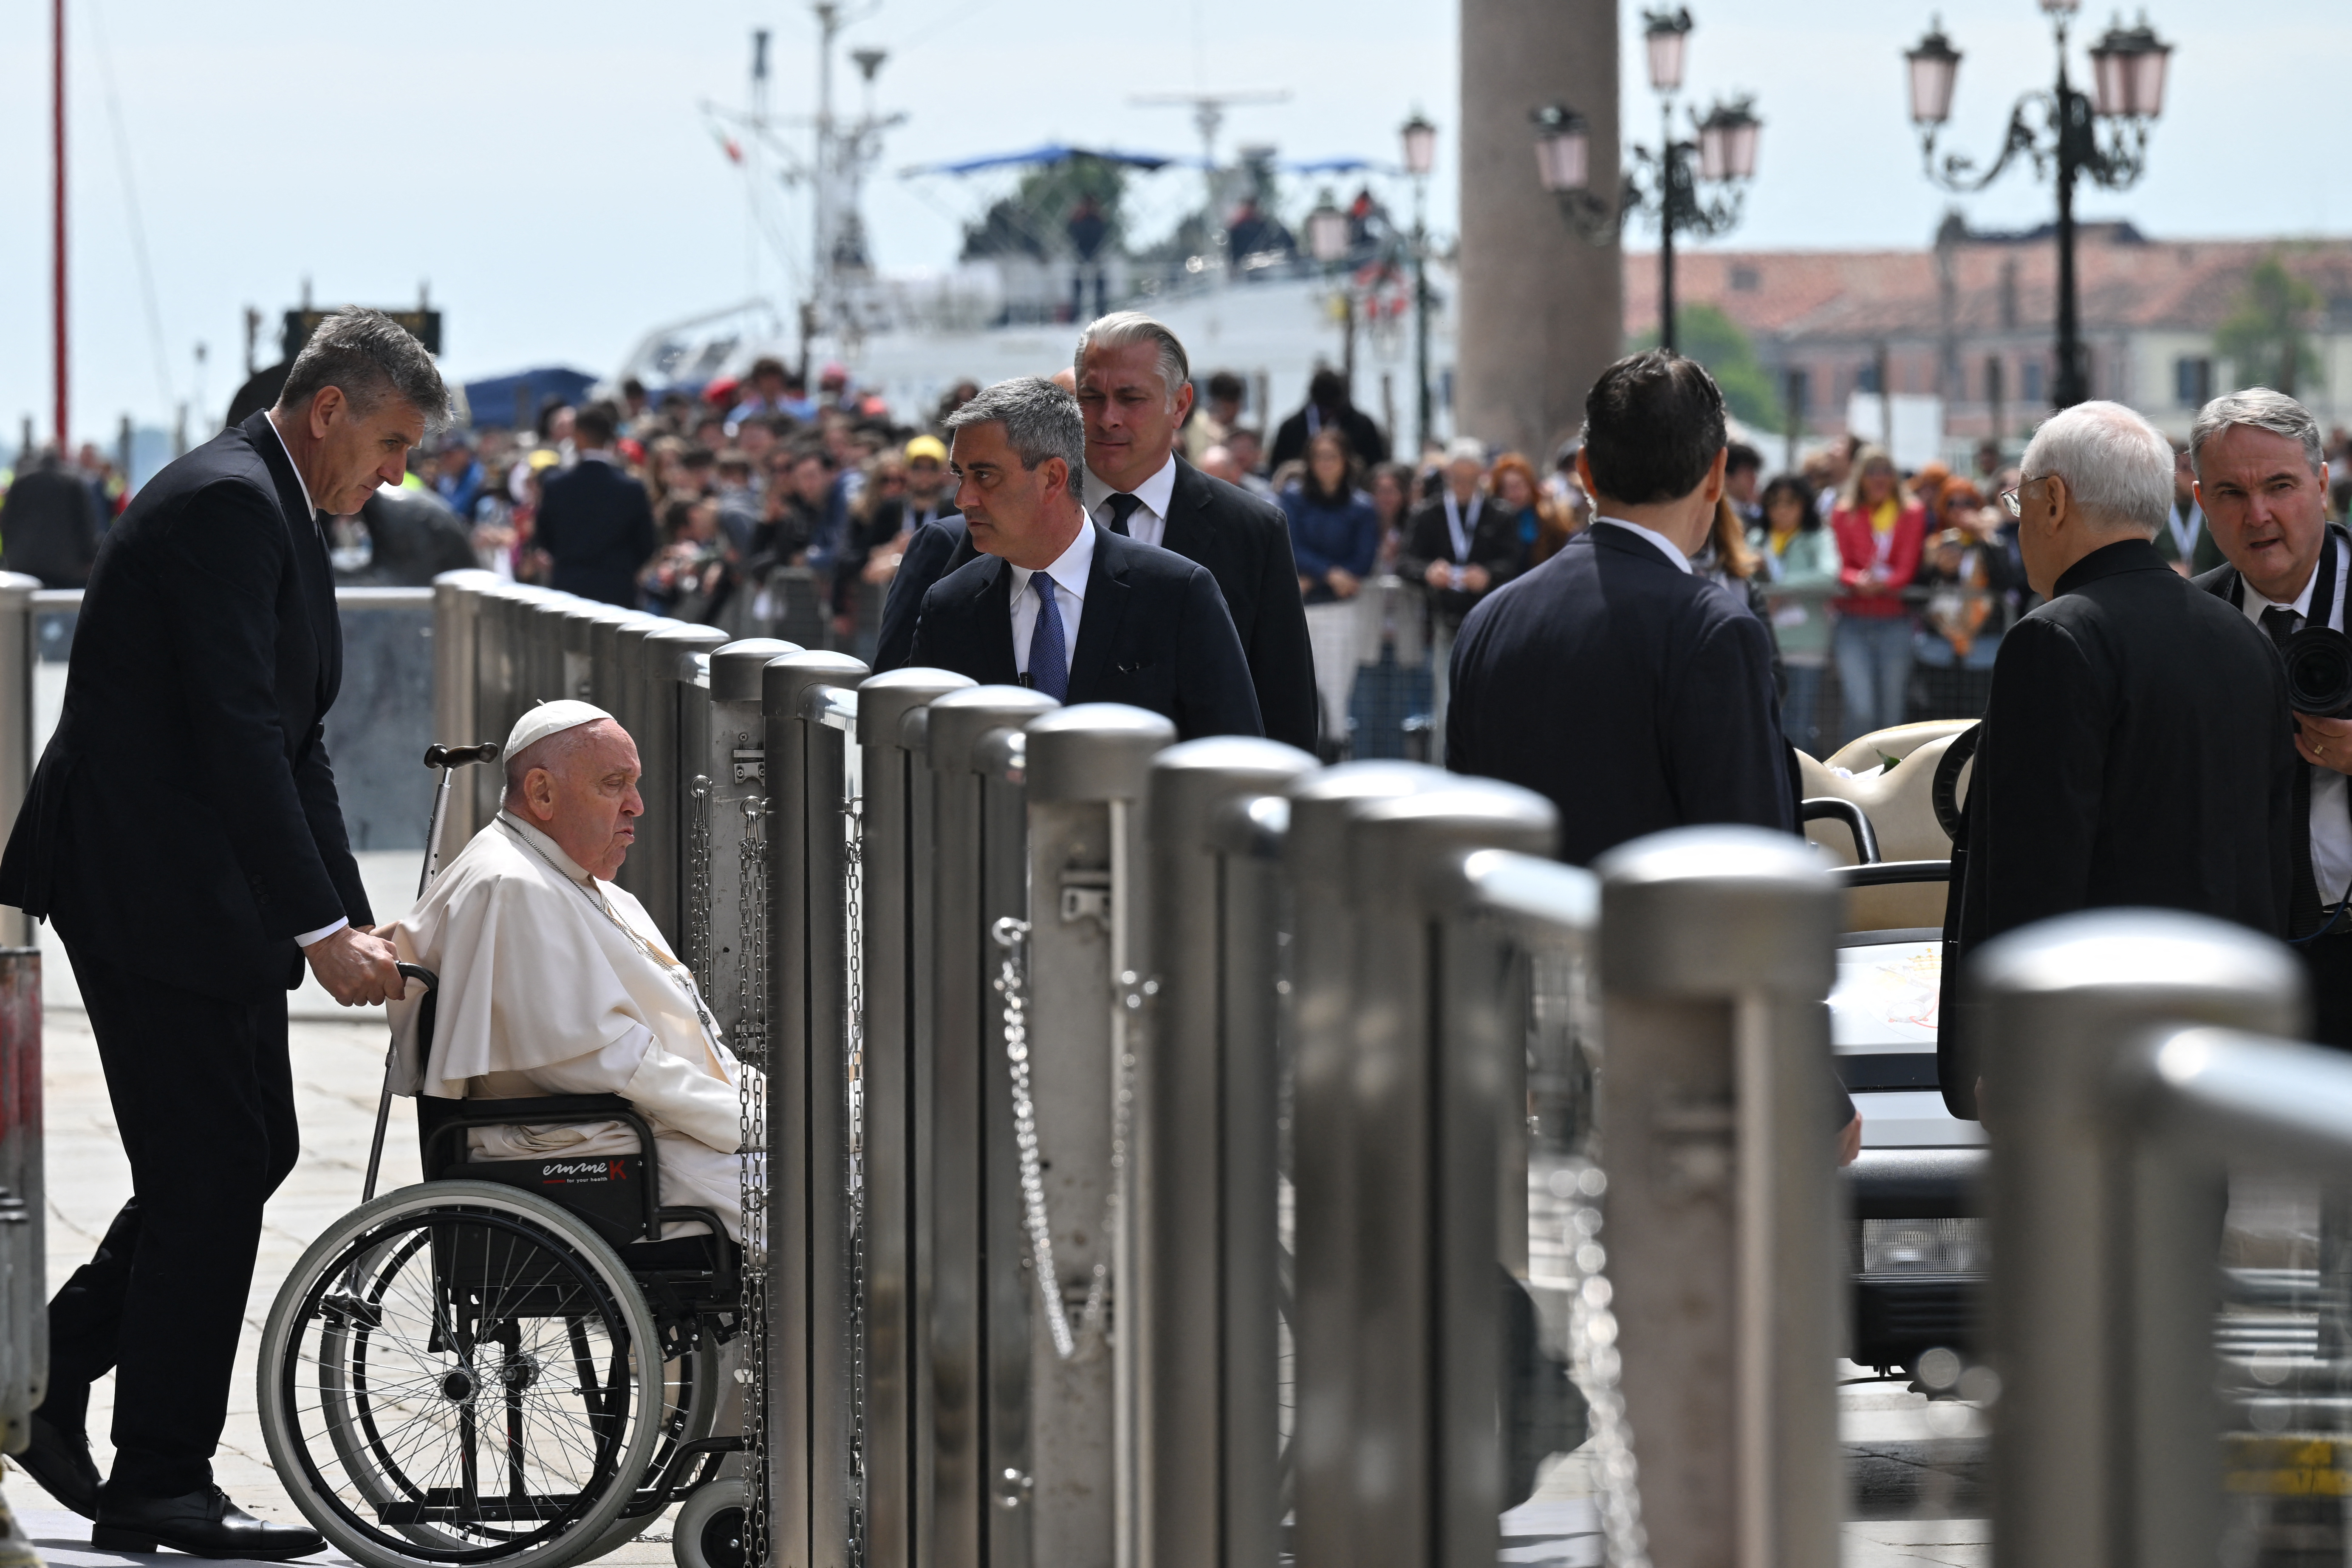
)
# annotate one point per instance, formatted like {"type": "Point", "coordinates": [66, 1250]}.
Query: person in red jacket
{"type": "Point", "coordinates": [1879, 529]}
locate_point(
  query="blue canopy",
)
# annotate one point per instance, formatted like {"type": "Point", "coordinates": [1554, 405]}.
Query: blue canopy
{"type": "Point", "coordinates": [1346, 165]}
{"type": "Point", "coordinates": [494, 403]}
{"type": "Point", "coordinates": [1050, 152]}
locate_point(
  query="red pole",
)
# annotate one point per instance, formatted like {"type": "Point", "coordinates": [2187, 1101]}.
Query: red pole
{"type": "Point", "coordinates": [58, 235]}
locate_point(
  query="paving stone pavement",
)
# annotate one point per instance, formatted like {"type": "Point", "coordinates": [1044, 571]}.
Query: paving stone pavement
{"type": "Point", "coordinates": [338, 1072]}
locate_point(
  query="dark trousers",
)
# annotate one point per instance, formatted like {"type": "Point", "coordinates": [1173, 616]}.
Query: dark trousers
{"type": "Point", "coordinates": [203, 1096]}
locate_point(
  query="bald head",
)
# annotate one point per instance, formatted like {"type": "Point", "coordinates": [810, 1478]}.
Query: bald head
{"type": "Point", "coordinates": [579, 786]}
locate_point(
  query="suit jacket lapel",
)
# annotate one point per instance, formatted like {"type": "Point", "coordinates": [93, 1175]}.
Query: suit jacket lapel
{"type": "Point", "coordinates": [1186, 531]}
{"type": "Point", "coordinates": [994, 602]}
{"type": "Point", "coordinates": [1106, 593]}
{"type": "Point", "coordinates": [309, 545]}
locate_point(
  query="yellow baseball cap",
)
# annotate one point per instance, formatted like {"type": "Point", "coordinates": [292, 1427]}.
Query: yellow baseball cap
{"type": "Point", "coordinates": [929, 447]}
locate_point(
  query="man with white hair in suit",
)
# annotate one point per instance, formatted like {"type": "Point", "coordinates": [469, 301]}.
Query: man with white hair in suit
{"type": "Point", "coordinates": [553, 981]}
{"type": "Point", "coordinates": [2136, 749]}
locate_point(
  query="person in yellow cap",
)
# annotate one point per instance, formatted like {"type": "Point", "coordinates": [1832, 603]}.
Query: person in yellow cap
{"type": "Point", "coordinates": [929, 529]}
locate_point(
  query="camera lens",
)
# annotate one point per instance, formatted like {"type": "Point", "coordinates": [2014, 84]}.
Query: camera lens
{"type": "Point", "coordinates": [2320, 672]}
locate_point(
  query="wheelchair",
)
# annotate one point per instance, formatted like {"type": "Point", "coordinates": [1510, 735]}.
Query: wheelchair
{"type": "Point", "coordinates": [506, 1363]}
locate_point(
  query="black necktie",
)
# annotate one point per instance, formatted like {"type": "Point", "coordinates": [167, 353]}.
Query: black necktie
{"type": "Point", "coordinates": [2279, 621]}
{"type": "Point", "coordinates": [1122, 506]}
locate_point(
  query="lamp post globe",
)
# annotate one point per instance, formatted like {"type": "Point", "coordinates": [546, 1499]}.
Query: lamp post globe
{"type": "Point", "coordinates": [1935, 66]}
{"type": "Point", "coordinates": [2127, 69]}
{"type": "Point", "coordinates": [1563, 149]}
{"type": "Point", "coordinates": [1420, 146]}
{"type": "Point", "coordinates": [1666, 33]}
{"type": "Point", "coordinates": [1327, 231]}
{"type": "Point", "coordinates": [1726, 143]}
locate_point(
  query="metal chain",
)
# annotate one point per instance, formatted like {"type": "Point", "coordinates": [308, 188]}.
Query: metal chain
{"type": "Point", "coordinates": [752, 1050]}
{"type": "Point", "coordinates": [1595, 1364]}
{"type": "Point", "coordinates": [1012, 984]}
{"type": "Point", "coordinates": [698, 888]}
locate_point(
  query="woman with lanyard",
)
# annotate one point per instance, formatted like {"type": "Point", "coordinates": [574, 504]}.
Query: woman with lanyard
{"type": "Point", "coordinates": [1879, 529]}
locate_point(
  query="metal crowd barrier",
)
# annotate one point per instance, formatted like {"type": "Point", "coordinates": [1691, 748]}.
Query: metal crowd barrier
{"type": "Point", "coordinates": [1145, 1130]}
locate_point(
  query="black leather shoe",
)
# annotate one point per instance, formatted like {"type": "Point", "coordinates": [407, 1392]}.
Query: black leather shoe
{"type": "Point", "coordinates": [203, 1524]}
{"type": "Point", "coordinates": [59, 1462]}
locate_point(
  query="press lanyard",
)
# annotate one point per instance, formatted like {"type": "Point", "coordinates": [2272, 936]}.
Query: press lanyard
{"type": "Point", "coordinates": [1460, 529]}
{"type": "Point", "coordinates": [2184, 537]}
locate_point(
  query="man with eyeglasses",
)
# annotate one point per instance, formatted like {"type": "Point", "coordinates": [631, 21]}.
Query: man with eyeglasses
{"type": "Point", "coordinates": [2137, 747]}
{"type": "Point", "coordinates": [2262, 485]}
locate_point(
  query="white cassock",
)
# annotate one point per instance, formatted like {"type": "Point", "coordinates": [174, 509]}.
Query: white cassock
{"type": "Point", "coordinates": [554, 982]}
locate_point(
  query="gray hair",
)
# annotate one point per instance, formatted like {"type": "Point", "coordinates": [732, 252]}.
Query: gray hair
{"type": "Point", "coordinates": [1123, 330]}
{"type": "Point", "coordinates": [2264, 410]}
{"type": "Point", "coordinates": [2118, 465]}
{"type": "Point", "coordinates": [1040, 421]}
{"type": "Point", "coordinates": [369, 357]}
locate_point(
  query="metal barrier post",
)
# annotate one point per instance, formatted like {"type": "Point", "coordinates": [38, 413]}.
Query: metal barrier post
{"type": "Point", "coordinates": [18, 662]}
{"type": "Point", "coordinates": [23, 1201]}
{"type": "Point", "coordinates": [895, 876]}
{"type": "Point", "coordinates": [1717, 949]}
{"type": "Point", "coordinates": [607, 672]}
{"type": "Point", "coordinates": [1202, 1312]}
{"type": "Point", "coordinates": [1088, 768]}
{"type": "Point", "coordinates": [541, 645]}
{"type": "Point", "coordinates": [2063, 1006]}
{"type": "Point", "coordinates": [802, 1192]}
{"type": "Point", "coordinates": [456, 610]}
{"type": "Point", "coordinates": [966, 1511]}
{"type": "Point", "coordinates": [669, 655]}
{"type": "Point", "coordinates": [831, 800]}
{"type": "Point", "coordinates": [722, 741]}
{"type": "Point", "coordinates": [1322, 997]}
{"type": "Point", "coordinates": [1427, 1343]}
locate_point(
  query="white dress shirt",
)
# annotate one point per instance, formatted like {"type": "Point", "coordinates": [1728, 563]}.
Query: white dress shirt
{"type": "Point", "coordinates": [1665, 546]}
{"type": "Point", "coordinates": [1148, 522]}
{"type": "Point", "coordinates": [310, 510]}
{"type": "Point", "coordinates": [2331, 792]}
{"type": "Point", "coordinates": [1069, 574]}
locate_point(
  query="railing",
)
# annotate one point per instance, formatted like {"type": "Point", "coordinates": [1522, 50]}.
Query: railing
{"type": "Point", "coordinates": [1146, 1129]}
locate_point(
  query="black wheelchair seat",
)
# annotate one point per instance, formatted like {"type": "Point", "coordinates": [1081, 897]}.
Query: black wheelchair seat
{"type": "Point", "coordinates": [619, 1195]}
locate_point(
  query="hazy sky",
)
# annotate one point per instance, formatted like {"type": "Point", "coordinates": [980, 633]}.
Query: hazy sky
{"type": "Point", "coordinates": [549, 171]}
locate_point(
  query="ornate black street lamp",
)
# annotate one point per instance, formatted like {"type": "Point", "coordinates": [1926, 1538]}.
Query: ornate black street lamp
{"type": "Point", "coordinates": [1420, 157]}
{"type": "Point", "coordinates": [2104, 135]}
{"type": "Point", "coordinates": [1660, 183]}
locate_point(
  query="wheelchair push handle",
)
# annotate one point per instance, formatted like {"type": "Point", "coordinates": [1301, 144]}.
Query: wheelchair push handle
{"type": "Point", "coordinates": [418, 973]}
{"type": "Point", "coordinates": [440, 756]}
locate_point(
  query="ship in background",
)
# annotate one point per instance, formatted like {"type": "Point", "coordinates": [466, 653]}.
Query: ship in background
{"type": "Point", "coordinates": [1268, 297]}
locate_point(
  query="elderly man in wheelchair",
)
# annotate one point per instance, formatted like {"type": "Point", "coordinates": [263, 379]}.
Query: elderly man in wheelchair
{"type": "Point", "coordinates": [519, 1360]}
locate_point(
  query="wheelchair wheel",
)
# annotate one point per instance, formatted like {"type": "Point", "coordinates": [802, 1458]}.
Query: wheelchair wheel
{"type": "Point", "coordinates": [461, 1373]}
{"type": "Point", "coordinates": [709, 1531]}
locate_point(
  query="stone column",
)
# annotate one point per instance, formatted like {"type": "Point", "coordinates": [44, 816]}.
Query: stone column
{"type": "Point", "coordinates": [1540, 308]}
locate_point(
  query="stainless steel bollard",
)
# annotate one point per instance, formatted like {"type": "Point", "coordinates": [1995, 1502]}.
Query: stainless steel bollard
{"type": "Point", "coordinates": [578, 646]}
{"type": "Point", "coordinates": [968, 1523]}
{"type": "Point", "coordinates": [607, 672]}
{"type": "Point", "coordinates": [18, 662]}
{"type": "Point", "coordinates": [23, 1201]}
{"type": "Point", "coordinates": [2065, 1007]}
{"type": "Point", "coordinates": [631, 706]}
{"type": "Point", "coordinates": [1424, 1109]}
{"type": "Point", "coordinates": [1199, 1319]}
{"type": "Point", "coordinates": [665, 777]}
{"type": "Point", "coordinates": [723, 740]}
{"type": "Point", "coordinates": [1717, 949]}
{"type": "Point", "coordinates": [457, 610]}
{"type": "Point", "coordinates": [896, 872]}
{"type": "Point", "coordinates": [1322, 994]}
{"type": "Point", "coordinates": [804, 1191]}
{"type": "Point", "coordinates": [496, 700]}
{"type": "Point", "coordinates": [832, 799]}
{"type": "Point", "coordinates": [1088, 769]}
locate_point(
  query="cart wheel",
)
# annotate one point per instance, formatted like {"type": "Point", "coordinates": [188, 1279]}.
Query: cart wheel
{"type": "Point", "coordinates": [709, 1531]}
{"type": "Point", "coordinates": [1944, 789]}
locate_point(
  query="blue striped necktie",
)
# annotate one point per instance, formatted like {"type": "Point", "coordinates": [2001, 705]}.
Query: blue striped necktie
{"type": "Point", "coordinates": [1049, 651]}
